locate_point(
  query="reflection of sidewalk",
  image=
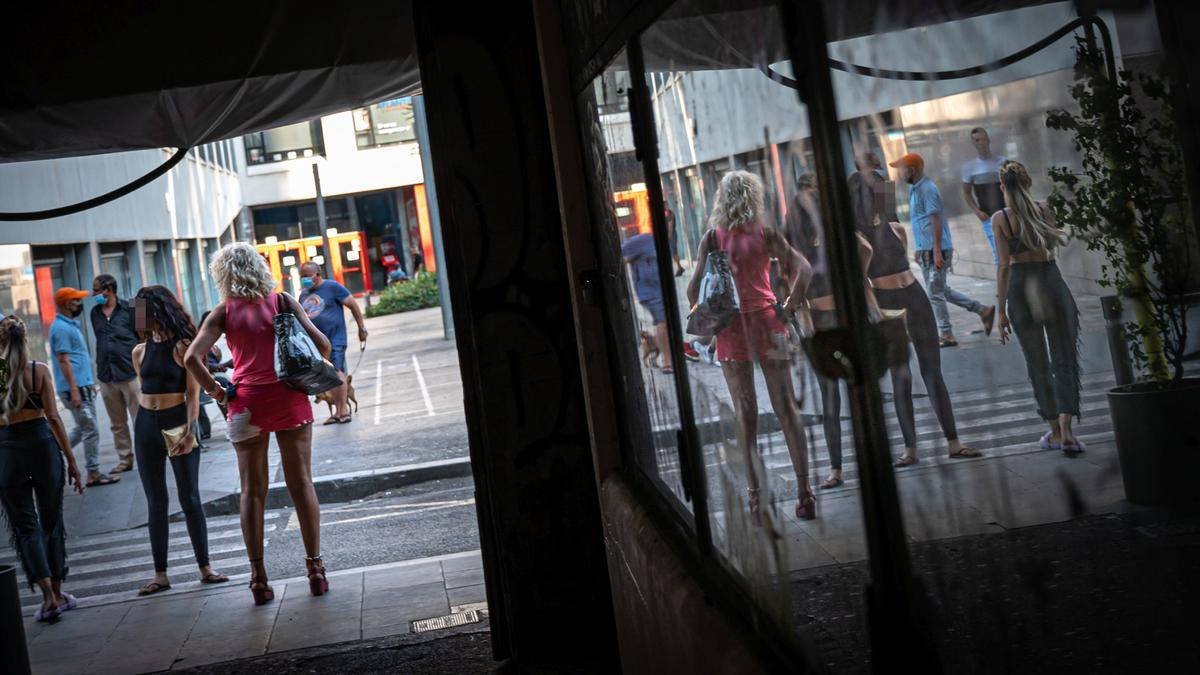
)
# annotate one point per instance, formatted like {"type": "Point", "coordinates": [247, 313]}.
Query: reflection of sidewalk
{"type": "Point", "coordinates": [348, 457]}
{"type": "Point", "coordinates": [190, 628]}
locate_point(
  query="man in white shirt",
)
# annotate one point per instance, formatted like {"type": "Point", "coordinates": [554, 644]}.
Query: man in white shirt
{"type": "Point", "coordinates": [981, 185]}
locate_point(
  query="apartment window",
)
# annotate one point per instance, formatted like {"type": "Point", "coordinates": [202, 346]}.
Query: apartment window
{"type": "Point", "coordinates": [294, 141]}
{"type": "Point", "coordinates": [385, 123]}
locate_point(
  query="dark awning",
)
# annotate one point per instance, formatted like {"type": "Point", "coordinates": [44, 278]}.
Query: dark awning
{"type": "Point", "coordinates": [87, 78]}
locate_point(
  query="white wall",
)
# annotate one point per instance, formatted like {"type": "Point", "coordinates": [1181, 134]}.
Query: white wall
{"type": "Point", "coordinates": [344, 169]}
{"type": "Point", "coordinates": [195, 199]}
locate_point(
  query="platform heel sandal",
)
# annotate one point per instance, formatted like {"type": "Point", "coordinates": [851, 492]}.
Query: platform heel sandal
{"type": "Point", "coordinates": [317, 583]}
{"type": "Point", "coordinates": [262, 592]}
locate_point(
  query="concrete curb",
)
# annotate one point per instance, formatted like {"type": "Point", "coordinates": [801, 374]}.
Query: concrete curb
{"type": "Point", "coordinates": [344, 487]}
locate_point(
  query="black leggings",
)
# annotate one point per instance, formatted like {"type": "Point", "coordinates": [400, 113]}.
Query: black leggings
{"type": "Point", "coordinates": [1042, 311]}
{"type": "Point", "coordinates": [922, 331]}
{"type": "Point", "coordinates": [831, 398]}
{"type": "Point", "coordinates": [151, 452]}
{"type": "Point", "coordinates": [31, 488]}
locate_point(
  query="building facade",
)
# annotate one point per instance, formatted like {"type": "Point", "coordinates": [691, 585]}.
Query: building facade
{"type": "Point", "coordinates": [160, 234]}
{"type": "Point", "coordinates": [368, 164]}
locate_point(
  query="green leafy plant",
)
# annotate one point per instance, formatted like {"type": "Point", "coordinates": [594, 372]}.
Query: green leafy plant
{"type": "Point", "coordinates": [406, 296]}
{"type": "Point", "coordinates": [1129, 203]}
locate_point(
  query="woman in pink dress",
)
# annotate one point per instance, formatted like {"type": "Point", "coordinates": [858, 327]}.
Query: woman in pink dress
{"type": "Point", "coordinates": [757, 334]}
{"type": "Point", "coordinates": [261, 404]}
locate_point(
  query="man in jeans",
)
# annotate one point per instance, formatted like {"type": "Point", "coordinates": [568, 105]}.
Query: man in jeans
{"type": "Point", "coordinates": [112, 321]}
{"type": "Point", "coordinates": [73, 380]}
{"type": "Point", "coordinates": [935, 249]}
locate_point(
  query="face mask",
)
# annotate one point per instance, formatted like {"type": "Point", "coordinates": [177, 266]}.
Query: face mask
{"type": "Point", "coordinates": [306, 282]}
{"type": "Point", "coordinates": [75, 311]}
{"type": "Point", "coordinates": [100, 299]}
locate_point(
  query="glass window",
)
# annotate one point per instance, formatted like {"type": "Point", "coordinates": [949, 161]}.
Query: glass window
{"type": "Point", "coordinates": [385, 123]}
{"type": "Point", "coordinates": [18, 293]}
{"type": "Point", "coordinates": [294, 141]}
{"type": "Point", "coordinates": [113, 261]}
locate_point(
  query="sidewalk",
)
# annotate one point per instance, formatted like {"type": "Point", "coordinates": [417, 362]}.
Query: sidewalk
{"type": "Point", "coordinates": [191, 627]}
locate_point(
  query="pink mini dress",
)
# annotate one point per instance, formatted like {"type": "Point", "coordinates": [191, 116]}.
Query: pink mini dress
{"type": "Point", "coordinates": [757, 333]}
{"type": "Point", "coordinates": [262, 403]}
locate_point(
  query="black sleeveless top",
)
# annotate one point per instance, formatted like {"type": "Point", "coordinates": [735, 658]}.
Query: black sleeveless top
{"type": "Point", "coordinates": [33, 401]}
{"type": "Point", "coordinates": [804, 235]}
{"type": "Point", "coordinates": [888, 255]}
{"type": "Point", "coordinates": [160, 374]}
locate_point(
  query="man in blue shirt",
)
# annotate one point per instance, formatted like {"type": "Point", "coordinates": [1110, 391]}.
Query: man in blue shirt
{"type": "Point", "coordinates": [638, 252]}
{"type": "Point", "coordinates": [935, 248]}
{"type": "Point", "coordinates": [324, 301]}
{"type": "Point", "coordinates": [74, 382]}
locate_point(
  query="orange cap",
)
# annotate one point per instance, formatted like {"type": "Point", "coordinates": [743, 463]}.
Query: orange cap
{"type": "Point", "coordinates": [66, 294]}
{"type": "Point", "coordinates": [911, 159]}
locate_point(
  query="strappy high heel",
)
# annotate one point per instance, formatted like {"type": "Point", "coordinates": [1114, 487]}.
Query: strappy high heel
{"type": "Point", "coordinates": [806, 508]}
{"type": "Point", "coordinates": [262, 592]}
{"type": "Point", "coordinates": [317, 583]}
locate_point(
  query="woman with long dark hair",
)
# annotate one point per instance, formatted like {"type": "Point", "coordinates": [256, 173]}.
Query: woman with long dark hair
{"type": "Point", "coordinates": [757, 334]}
{"type": "Point", "coordinates": [164, 429]}
{"type": "Point", "coordinates": [1036, 303]}
{"type": "Point", "coordinates": [33, 445]}
{"type": "Point", "coordinates": [261, 404]}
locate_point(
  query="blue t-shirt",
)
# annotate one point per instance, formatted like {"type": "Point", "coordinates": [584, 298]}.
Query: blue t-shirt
{"type": "Point", "coordinates": [324, 307]}
{"type": "Point", "coordinates": [924, 201]}
{"type": "Point", "coordinates": [638, 251]}
{"type": "Point", "coordinates": [67, 338]}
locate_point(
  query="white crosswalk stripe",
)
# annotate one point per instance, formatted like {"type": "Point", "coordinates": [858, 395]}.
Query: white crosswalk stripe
{"type": "Point", "coordinates": [116, 562]}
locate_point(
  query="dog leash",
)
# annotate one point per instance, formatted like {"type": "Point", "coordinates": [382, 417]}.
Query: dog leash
{"type": "Point", "coordinates": [362, 350]}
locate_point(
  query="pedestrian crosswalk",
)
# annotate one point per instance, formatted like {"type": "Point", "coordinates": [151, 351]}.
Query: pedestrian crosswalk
{"type": "Point", "coordinates": [120, 562]}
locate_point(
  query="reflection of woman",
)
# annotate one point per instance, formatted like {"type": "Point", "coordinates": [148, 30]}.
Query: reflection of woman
{"type": "Point", "coordinates": [1039, 304]}
{"type": "Point", "coordinates": [169, 400]}
{"type": "Point", "coordinates": [757, 334]}
{"type": "Point", "coordinates": [262, 405]}
{"type": "Point", "coordinates": [33, 444]}
{"type": "Point", "coordinates": [896, 288]}
{"type": "Point", "coordinates": [804, 234]}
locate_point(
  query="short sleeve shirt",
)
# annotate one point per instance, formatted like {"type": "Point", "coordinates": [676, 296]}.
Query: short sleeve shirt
{"type": "Point", "coordinates": [67, 338]}
{"type": "Point", "coordinates": [324, 307]}
{"type": "Point", "coordinates": [638, 251]}
{"type": "Point", "coordinates": [924, 202]}
{"type": "Point", "coordinates": [984, 177]}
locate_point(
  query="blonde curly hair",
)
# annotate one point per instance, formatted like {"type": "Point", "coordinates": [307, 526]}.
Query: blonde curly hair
{"type": "Point", "coordinates": [239, 271]}
{"type": "Point", "coordinates": [739, 200]}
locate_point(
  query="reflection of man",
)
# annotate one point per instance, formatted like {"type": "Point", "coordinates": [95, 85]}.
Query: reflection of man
{"type": "Point", "coordinates": [935, 249]}
{"type": "Point", "coordinates": [981, 185]}
{"type": "Point", "coordinates": [638, 252]}
{"type": "Point", "coordinates": [324, 300]}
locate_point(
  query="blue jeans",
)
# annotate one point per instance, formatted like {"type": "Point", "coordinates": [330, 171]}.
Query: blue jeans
{"type": "Point", "coordinates": [987, 231]}
{"type": "Point", "coordinates": [85, 426]}
{"type": "Point", "coordinates": [940, 292]}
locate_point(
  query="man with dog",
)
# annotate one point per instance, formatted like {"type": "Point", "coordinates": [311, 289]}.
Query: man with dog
{"type": "Point", "coordinates": [638, 251]}
{"type": "Point", "coordinates": [325, 301]}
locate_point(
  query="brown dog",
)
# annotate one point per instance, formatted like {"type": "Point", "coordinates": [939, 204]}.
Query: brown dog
{"type": "Point", "coordinates": [650, 351]}
{"type": "Point", "coordinates": [326, 397]}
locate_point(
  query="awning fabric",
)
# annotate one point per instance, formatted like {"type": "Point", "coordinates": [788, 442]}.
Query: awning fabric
{"type": "Point", "coordinates": [86, 78]}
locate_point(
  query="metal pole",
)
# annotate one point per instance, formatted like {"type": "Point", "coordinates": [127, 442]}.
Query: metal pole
{"type": "Point", "coordinates": [322, 223]}
{"type": "Point", "coordinates": [435, 220]}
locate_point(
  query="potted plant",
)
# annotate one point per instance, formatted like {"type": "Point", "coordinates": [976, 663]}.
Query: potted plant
{"type": "Point", "coordinates": [1129, 202]}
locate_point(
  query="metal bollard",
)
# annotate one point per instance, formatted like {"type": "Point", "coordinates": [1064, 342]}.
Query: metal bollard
{"type": "Point", "coordinates": [1122, 368]}
{"type": "Point", "coordinates": [14, 656]}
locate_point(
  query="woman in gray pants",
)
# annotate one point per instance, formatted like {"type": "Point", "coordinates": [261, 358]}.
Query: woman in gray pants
{"type": "Point", "coordinates": [1034, 301]}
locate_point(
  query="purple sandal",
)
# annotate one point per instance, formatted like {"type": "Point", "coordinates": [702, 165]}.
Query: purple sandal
{"type": "Point", "coordinates": [47, 617]}
{"type": "Point", "coordinates": [1045, 443]}
{"type": "Point", "coordinates": [72, 602]}
{"type": "Point", "coordinates": [1074, 448]}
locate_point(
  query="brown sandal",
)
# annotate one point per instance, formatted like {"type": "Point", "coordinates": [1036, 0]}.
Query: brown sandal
{"type": "Point", "coordinates": [152, 588]}
{"type": "Point", "coordinates": [832, 482]}
{"type": "Point", "coordinates": [214, 578]}
{"type": "Point", "coordinates": [906, 460]}
{"type": "Point", "coordinates": [967, 452]}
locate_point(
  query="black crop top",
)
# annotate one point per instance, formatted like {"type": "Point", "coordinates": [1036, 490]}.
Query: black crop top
{"type": "Point", "coordinates": [33, 400]}
{"type": "Point", "coordinates": [160, 374]}
{"type": "Point", "coordinates": [888, 255]}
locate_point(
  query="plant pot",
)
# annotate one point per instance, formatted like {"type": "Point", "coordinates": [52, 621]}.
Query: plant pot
{"type": "Point", "coordinates": [1158, 441]}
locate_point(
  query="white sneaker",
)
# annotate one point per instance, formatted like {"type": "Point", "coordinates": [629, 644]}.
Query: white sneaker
{"type": "Point", "coordinates": [706, 352]}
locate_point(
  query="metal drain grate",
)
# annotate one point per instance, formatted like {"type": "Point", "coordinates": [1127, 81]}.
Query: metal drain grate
{"type": "Point", "coordinates": [440, 622]}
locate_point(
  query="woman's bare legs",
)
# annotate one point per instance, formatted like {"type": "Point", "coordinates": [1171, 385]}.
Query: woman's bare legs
{"type": "Point", "coordinates": [295, 453]}
{"type": "Point", "coordinates": [50, 599]}
{"type": "Point", "coordinates": [739, 377]}
{"type": "Point", "coordinates": [252, 468]}
{"type": "Point", "coordinates": [778, 375]}
{"type": "Point", "coordinates": [1066, 433]}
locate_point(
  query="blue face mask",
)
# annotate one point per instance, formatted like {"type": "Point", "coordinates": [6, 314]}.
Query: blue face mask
{"type": "Point", "coordinates": [306, 282]}
{"type": "Point", "coordinates": [100, 299]}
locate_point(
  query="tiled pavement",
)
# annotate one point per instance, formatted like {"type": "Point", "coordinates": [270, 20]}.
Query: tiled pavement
{"type": "Point", "coordinates": [179, 630]}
